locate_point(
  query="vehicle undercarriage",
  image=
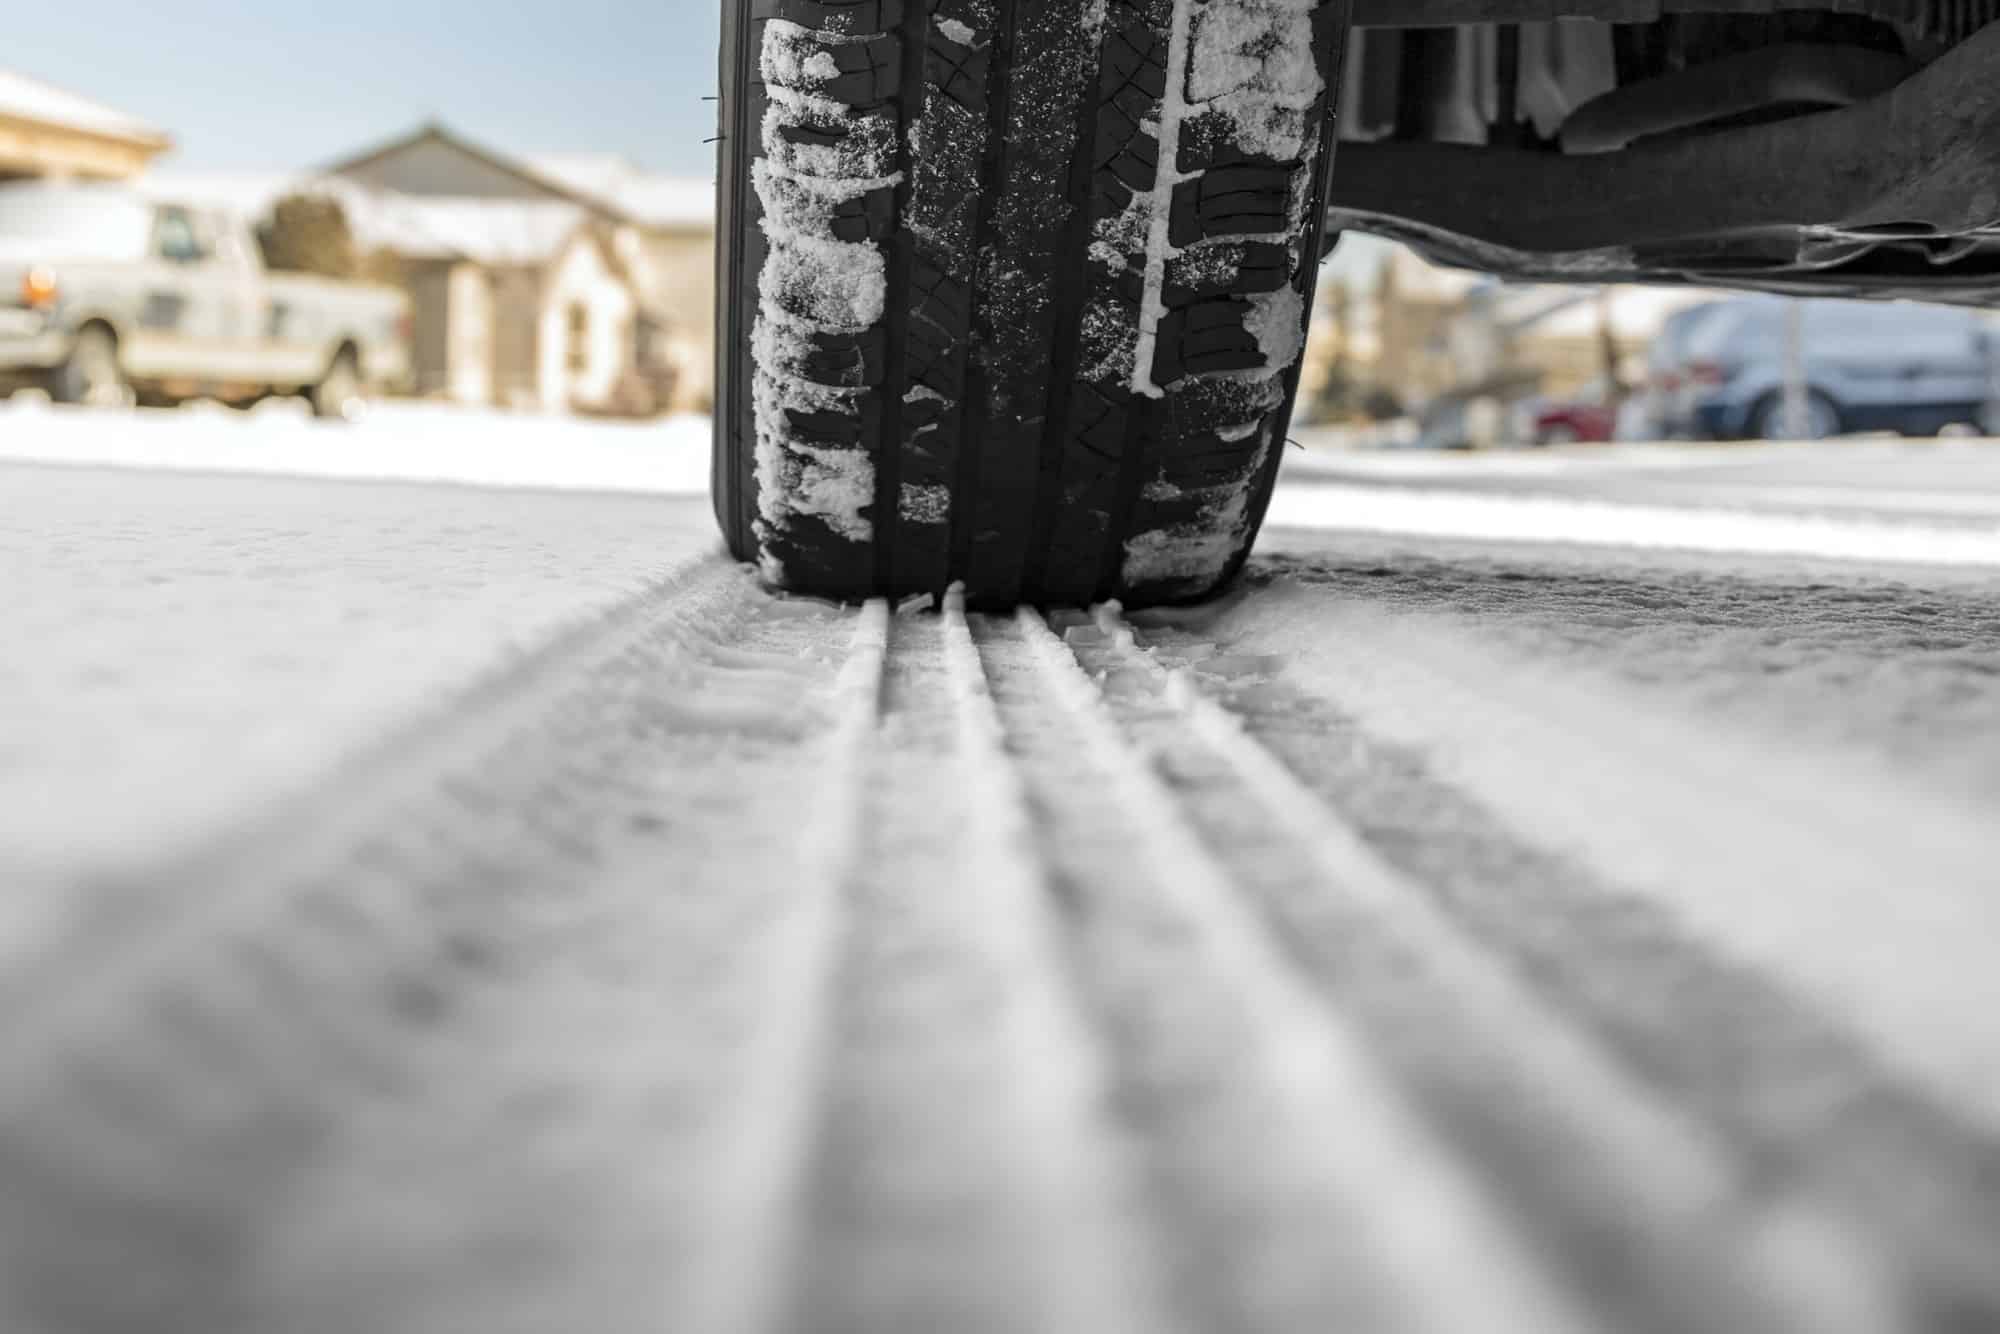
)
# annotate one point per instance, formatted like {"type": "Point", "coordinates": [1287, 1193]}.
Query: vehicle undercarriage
{"type": "Point", "coordinates": [1841, 147]}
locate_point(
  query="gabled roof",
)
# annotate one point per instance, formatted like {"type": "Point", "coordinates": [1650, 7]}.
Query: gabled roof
{"type": "Point", "coordinates": [23, 98]}
{"type": "Point", "coordinates": [613, 187]}
{"type": "Point", "coordinates": [438, 134]}
{"type": "Point", "coordinates": [651, 198]}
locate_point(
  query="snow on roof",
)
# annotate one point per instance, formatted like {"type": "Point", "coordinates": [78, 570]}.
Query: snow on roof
{"type": "Point", "coordinates": [648, 197]}
{"type": "Point", "coordinates": [490, 231]}
{"type": "Point", "coordinates": [499, 232]}
{"type": "Point", "coordinates": [30, 99]}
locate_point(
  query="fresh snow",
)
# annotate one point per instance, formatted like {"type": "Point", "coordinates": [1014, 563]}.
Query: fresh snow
{"type": "Point", "coordinates": [957, 32]}
{"type": "Point", "coordinates": [393, 442]}
{"type": "Point", "coordinates": [1155, 210]}
{"type": "Point", "coordinates": [1549, 518]}
{"type": "Point", "coordinates": [1436, 905]}
{"type": "Point", "coordinates": [1812, 861]}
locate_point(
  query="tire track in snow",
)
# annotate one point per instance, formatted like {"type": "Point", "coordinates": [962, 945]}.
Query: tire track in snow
{"type": "Point", "coordinates": [968, 1176]}
{"type": "Point", "coordinates": [1797, 1097]}
{"type": "Point", "coordinates": [1301, 1193]}
{"type": "Point", "coordinates": [1653, 1217]}
{"type": "Point", "coordinates": [1772, 856]}
{"type": "Point", "coordinates": [463, 1052]}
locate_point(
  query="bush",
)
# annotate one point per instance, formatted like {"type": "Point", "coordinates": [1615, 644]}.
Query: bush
{"type": "Point", "coordinates": [309, 234]}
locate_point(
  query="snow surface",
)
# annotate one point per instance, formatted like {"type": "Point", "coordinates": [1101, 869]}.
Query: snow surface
{"type": "Point", "coordinates": [1800, 767]}
{"type": "Point", "coordinates": [181, 647]}
{"type": "Point", "coordinates": [1608, 523]}
{"type": "Point", "coordinates": [1437, 905]}
{"type": "Point", "coordinates": [395, 441]}
{"type": "Point", "coordinates": [1895, 503]}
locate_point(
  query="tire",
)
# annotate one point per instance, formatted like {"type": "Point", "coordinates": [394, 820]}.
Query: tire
{"type": "Point", "coordinates": [93, 374]}
{"type": "Point", "coordinates": [340, 395]}
{"type": "Point", "coordinates": [972, 330]}
{"type": "Point", "coordinates": [1768, 421]}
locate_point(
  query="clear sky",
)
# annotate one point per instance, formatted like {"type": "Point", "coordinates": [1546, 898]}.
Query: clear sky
{"type": "Point", "coordinates": [269, 84]}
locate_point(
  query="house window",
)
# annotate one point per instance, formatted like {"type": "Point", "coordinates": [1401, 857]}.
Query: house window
{"type": "Point", "coordinates": [579, 340]}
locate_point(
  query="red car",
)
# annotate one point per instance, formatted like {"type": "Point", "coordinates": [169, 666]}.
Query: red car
{"type": "Point", "coordinates": [1556, 423]}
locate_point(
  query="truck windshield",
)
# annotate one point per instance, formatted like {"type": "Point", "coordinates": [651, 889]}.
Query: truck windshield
{"type": "Point", "coordinates": [52, 225]}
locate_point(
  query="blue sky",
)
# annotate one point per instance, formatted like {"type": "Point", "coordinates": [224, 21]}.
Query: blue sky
{"type": "Point", "coordinates": [256, 84]}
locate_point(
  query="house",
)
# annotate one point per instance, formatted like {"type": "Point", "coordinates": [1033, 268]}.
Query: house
{"type": "Point", "coordinates": [46, 132]}
{"type": "Point", "coordinates": [615, 292]}
{"type": "Point", "coordinates": [562, 284]}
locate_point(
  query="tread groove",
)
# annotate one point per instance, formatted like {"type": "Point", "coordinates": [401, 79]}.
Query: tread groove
{"type": "Point", "coordinates": [896, 374]}
{"type": "Point", "coordinates": [1068, 328]}
{"type": "Point", "coordinates": [973, 402]}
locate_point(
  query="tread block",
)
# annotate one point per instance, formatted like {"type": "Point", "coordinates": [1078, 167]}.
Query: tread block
{"type": "Point", "coordinates": [827, 428]}
{"type": "Point", "coordinates": [842, 16]}
{"type": "Point", "coordinates": [868, 217]}
{"type": "Point", "coordinates": [1249, 199]}
{"type": "Point", "coordinates": [858, 72]}
{"type": "Point", "coordinates": [957, 72]}
{"type": "Point", "coordinates": [806, 142]}
{"type": "Point", "coordinates": [1226, 268]}
{"type": "Point", "coordinates": [1206, 337]}
{"type": "Point", "coordinates": [845, 360]}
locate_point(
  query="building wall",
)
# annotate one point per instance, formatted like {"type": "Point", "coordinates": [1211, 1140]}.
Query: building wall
{"type": "Point", "coordinates": [429, 286]}
{"type": "Point", "coordinates": [471, 336]}
{"type": "Point", "coordinates": [675, 268]}
{"type": "Point", "coordinates": [586, 329]}
{"type": "Point", "coordinates": [517, 309]}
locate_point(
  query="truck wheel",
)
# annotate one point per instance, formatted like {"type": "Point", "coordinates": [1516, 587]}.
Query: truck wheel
{"type": "Point", "coordinates": [1014, 291]}
{"type": "Point", "coordinates": [93, 376]}
{"type": "Point", "coordinates": [340, 396]}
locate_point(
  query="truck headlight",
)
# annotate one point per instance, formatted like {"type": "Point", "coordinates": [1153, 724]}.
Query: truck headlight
{"type": "Point", "coordinates": [39, 290]}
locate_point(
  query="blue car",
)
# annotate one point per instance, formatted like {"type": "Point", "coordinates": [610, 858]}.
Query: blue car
{"type": "Point", "coordinates": [1869, 366]}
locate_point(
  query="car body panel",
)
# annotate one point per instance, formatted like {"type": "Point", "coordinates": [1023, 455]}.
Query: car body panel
{"type": "Point", "coordinates": [1906, 368]}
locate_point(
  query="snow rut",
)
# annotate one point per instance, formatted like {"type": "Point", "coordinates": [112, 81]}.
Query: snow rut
{"type": "Point", "coordinates": [746, 967]}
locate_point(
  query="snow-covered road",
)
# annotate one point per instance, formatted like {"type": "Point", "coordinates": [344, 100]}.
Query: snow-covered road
{"type": "Point", "coordinates": [445, 908]}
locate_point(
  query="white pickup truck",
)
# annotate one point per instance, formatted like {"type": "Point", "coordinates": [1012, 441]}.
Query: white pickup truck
{"type": "Point", "coordinates": [108, 295]}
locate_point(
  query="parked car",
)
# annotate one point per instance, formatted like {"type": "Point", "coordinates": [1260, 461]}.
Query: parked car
{"type": "Point", "coordinates": [107, 295]}
{"type": "Point", "coordinates": [1869, 366]}
{"type": "Point", "coordinates": [1661, 409]}
{"type": "Point", "coordinates": [1571, 421]}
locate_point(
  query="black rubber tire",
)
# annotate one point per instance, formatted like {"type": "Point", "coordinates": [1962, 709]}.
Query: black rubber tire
{"type": "Point", "coordinates": [93, 375]}
{"type": "Point", "coordinates": [1767, 418]}
{"type": "Point", "coordinates": [971, 331]}
{"type": "Point", "coordinates": [341, 390]}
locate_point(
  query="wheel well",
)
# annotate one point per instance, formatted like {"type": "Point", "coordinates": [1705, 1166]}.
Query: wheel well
{"type": "Point", "coordinates": [99, 322]}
